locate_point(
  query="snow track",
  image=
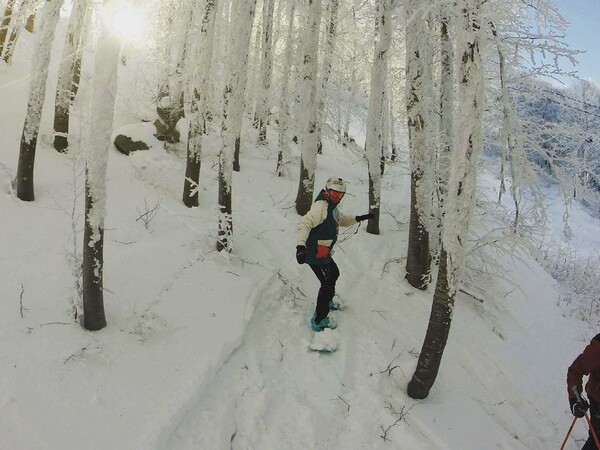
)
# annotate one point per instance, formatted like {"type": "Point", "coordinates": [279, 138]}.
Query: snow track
{"type": "Point", "coordinates": [273, 393]}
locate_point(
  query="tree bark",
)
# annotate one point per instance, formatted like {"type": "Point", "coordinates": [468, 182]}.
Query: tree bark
{"type": "Point", "coordinates": [102, 111]}
{"type": "Point", "coordinates": [461, 197]}
{"type": "Point", "coordinates": [5, 24]}
{"type": "Point", "coordinates": [198, 98]}
{"type": "Point", "coordinates": [233, 101]}
{"type": "Point", "coordinates": [284, 106]}
{"type": "Point", "coordinates": [330, 39]}
{"type": "Point", "coordinates": [436, 338]}
{"type": "Point", "coordinates": [309, 109]}
{"type": "Point", "coordinates": [374, 141]}
{"type": "Point", "coordinates": [66, 75]}
{"type": "Point", "coordinates": [266, 70]}
{"type": "Point", "coordinates": [94, 317]}
{"type": "Point", "coordinates": [418, 257]}
{"type": "Point", "coordinates": [35, 103]}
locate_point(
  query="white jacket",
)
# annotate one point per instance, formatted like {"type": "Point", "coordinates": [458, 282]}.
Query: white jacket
{"type": "Point", "coordinates": [316, 216]}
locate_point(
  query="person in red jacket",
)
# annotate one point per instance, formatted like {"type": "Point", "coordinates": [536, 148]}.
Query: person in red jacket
{"type": "Point", "coordinates": [588, 363]}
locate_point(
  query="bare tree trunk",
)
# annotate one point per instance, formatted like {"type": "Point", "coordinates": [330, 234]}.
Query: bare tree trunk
{"type": "Point", "coordinates": [233, 101]}
{"type": "Point", "coordinates": [284, 105]}
{"type": "Point", "coordinates": [12, 42]}
{"type": "Point", "coordinates": [308, 108]}
{"type": "Point", "coordinates": [35, 103]}
{"type": "Point", "coordinates": [461, 195]}
{"type": "Point", "coordinates": [446, 122]}
{"type": "Point", "coordinates": [65, 94]}
{"type": "Point", "coordinates": [393, 142]}
{"type": "Point", "coordinates": [436, 337]}
{"type": "Point", "coordinates": [102, 107]}
{"type": "Point", "coordinates": [92, 270]}
{"type": "Point", "coordinates": [418, 257]}
{"type": "Point", "coordinates": [385, 126]}
{"type": "Point", "coordinates": [198, 97]}
{"type": "Point", "coordinates": [266, 70]}
{"type": "Point", "coordinates": [171, 94]}
{"type": "Point", "coordinates": [374, 141]}
{"type": "Point", "coordinates": [5, 24]}
{"type": "Point", "coordinates": [330, 39]}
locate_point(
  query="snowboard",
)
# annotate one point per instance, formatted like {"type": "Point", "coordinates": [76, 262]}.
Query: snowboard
{"type": "Point", "coordinates": [325, 341]}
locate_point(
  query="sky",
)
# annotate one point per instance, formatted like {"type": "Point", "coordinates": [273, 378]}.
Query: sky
{"type": "Point", "coordinates": [583, 17]}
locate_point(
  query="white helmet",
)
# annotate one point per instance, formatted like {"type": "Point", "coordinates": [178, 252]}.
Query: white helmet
{"type": "Point", "coordinates": [335, 184]}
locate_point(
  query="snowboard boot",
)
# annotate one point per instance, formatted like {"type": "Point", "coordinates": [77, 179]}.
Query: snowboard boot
{"type": "Point", "coordinates": [327, 322]}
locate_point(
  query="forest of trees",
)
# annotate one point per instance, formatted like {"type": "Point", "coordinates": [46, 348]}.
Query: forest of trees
{"type": "Point", "coordinates": [442, 81]}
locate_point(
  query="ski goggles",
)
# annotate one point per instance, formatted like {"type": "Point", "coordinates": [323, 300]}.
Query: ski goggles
{"type": "Point", "coordinates": [336, 195]}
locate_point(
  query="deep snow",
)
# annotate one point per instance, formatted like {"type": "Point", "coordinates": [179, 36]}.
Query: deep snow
{"type": "Point", "coordinates": [206, 350]}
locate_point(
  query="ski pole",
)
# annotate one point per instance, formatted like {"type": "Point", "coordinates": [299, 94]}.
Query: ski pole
{"type": "Point", "coordinates": [592, 431]}
{"type": "Point", "coordinates": [587, 417]}
{"type": "Point", "coordinates": [568, 433]}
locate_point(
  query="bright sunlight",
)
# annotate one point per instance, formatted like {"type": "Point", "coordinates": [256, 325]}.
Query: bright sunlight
{"type": "Point", "coordinates": [129, 23]}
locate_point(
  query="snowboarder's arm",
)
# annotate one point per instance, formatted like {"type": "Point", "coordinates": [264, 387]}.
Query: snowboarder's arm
{"type": "Point", "coordinates": [584, 364]}
{"type": "Point", "coordinates": [346, 221]}
{"type": "Point", "coordinates": [313, 218]}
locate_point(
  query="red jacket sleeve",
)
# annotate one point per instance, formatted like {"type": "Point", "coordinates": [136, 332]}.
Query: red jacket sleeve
{"type": "Point", "coordinates": [584, 364]}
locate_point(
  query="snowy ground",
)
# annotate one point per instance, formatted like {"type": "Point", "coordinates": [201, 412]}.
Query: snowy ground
{"type": "Point", "coordinates": [205, 350]}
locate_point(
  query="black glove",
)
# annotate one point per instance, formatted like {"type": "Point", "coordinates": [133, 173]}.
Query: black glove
{"type": "Point", "coordinates": [578, 407]}
{"type": "Point", "coordinates": [364, 217]}
{"type": "Point", "coordinates": [301, 254]}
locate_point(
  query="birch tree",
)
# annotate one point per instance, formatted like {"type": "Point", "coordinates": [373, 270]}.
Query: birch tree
{"type": "Point", "coordinates": [68, 74]}
{"type": "Point", "coordinates": [198, 96]}
{"type": "Point", "coordinates": [242, 17]}
{"type": "Point", "coordinates": [266, 70]}
{"type": "Point", "coordinates": [374, 139]}
{"type": "Point", "coordinates": [35, 102]}
{"type": "Point", "coordinates": [102, 110]}
{"type": "Point", "coordinates": [418, 258]}
{"type": "Point", "coordinates": [308, 108]}
{"type": "Point", "coordinates": [461, 198]}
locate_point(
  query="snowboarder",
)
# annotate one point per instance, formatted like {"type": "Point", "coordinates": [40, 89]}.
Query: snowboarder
{"type": "Point", "coordinates": [317, 234]}
{"type": "Point", "coordinates": [588, 363]}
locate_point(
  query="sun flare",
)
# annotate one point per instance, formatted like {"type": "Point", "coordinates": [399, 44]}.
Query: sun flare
{"type": "Point", "coordinates": [129, 23]}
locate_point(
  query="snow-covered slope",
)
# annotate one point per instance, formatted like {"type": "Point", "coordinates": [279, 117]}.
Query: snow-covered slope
{"type": "Point", "coordinates": [205, 350]}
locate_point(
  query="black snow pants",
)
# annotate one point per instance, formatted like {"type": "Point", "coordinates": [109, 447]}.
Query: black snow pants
{"type": "Point", "coordinates": [590, 444]}
{"type": "Point", "coordinates": [327, 275]}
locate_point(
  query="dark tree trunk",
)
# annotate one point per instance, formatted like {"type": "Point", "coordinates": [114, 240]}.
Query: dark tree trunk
{"type": "Point", "coordinates": [418, 272]}
{"type": "Point", "coordinates": [305, 190]}
{"type": "Point", "coordinates": [25, 167]}
{"type": "Point", "coordinates": [236, 154]}
{"type": "Point", "coordinates": [61, 128]}
{"type": "Point", "coordinates": [436, 337]}
{"type": "Point", "coordinates": [192, 168]}
{"type": "Point", "coordinates": [373, 224]}
{"type": "Point", "coordinates": [226, 214]}
{"type": "Point", "coordinates": [10, 46]}
{"type": "Point", "coordinates": [93, 264]}
{"type": "Point", "coordinates": [30, 24]}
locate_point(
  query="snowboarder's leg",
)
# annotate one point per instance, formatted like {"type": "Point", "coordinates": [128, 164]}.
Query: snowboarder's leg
{"type": "Point", "coordinates": [595, 418]}
{"type": "Point", "coordinates": [327, 275]}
